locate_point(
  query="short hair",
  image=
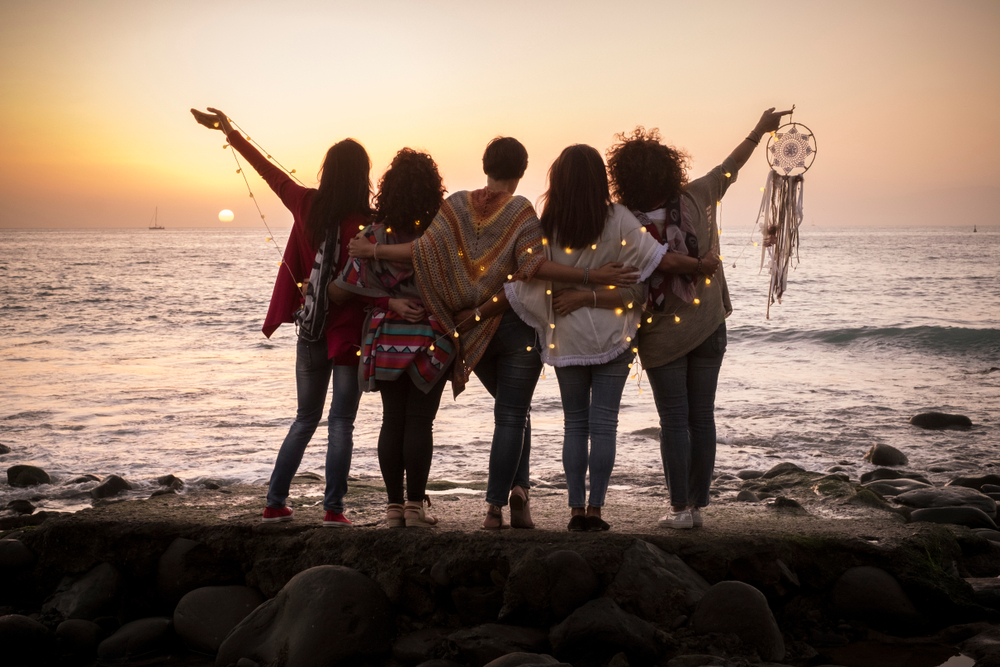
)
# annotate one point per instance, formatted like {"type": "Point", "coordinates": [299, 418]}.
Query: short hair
{"type": "Point", "coordinates": [505, 158]}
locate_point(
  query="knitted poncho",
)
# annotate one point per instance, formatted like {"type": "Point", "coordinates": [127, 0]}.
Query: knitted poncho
{"type": "Point", "coordinates": [475, 242]}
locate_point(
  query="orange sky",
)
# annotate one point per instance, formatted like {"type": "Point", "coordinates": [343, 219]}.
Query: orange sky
{"type": "Point", "coordinates": [903, 97]}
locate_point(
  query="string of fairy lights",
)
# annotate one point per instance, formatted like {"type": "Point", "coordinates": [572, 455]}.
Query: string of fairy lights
{"type": "Point", "coordinates": [635, 366]}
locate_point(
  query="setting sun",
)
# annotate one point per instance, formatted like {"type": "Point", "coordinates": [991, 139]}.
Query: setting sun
{"type": "Point", "coordinates": [225, 215]}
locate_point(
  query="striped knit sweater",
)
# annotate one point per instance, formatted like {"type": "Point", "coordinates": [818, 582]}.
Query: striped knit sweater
{"type": "Point", "coordinates": [477, 240]}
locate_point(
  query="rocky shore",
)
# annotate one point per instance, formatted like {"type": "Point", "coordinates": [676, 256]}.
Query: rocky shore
{"type": "Point", "coordinates": [792, 567]}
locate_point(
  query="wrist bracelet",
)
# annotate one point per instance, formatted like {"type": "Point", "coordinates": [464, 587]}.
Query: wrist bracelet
{"type": "Point", "coordinates": [586, 275]}
{"type": "Point", "coordinates": [698, 270]}
{"type": "Point", "coordinates": [375, 252]}
{"type": "Point", "coordinates": [750, 137]}
{"type": "Point", "coordinates": [595, 298]}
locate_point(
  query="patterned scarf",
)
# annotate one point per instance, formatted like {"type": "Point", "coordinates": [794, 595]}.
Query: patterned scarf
{"type": "Point", "coordinates": [680, 237]}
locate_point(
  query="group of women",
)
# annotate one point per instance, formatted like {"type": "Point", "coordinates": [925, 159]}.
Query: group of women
{"type": "Point", "coordinates": [621, 260]}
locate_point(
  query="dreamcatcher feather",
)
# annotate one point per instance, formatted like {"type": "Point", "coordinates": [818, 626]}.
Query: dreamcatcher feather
{"type": "Point", "coordinates": [790, 153]}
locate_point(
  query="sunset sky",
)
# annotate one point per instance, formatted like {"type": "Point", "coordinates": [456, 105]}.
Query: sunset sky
{"type": "Point", "coordinates": [904, 97]}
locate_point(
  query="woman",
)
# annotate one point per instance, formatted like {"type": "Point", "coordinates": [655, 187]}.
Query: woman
{"type": "Point", "coordinates": [406, 352]}
{"type": "Point", "coordinates": [325, 217]}
{"type": "Point", "coordinates": [587, 334]}
{"type": "Point", "coordinates": [684, 337]}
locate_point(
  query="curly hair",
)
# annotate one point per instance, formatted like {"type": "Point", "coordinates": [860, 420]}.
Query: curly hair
{"type": "Point", "coordinates": [410, 192]}
{"type": "Point", "coordinates": [645, 173]}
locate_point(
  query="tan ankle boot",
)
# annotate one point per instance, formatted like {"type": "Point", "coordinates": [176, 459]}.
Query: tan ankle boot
{"type": "Point", "coordinates": [394, 515]}
{"type": "Point", "coordinates": [416, 517]}
{"type": "Point", "coordinates": [520, 514]}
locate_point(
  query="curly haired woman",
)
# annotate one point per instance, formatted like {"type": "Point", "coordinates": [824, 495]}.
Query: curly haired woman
{"type": "Point", "coordinates": [406, 352]}
{"type": "Point", "coordinates": [683, 339]}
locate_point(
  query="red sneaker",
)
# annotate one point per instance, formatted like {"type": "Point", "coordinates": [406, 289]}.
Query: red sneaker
{"type": "Point", "coordinates": [274, 515]}
{"type": "Point", "coordinates": [332, 520]}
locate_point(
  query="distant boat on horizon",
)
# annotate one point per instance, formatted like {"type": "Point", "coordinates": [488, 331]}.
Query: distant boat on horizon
{"type": "Point", "coordinates": [154, 225]}
{"type": "Point", "coordinates": [973, 228]}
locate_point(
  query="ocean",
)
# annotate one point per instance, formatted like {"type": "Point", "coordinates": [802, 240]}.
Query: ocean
{"type": "Point", "coordinates": [139, 353]}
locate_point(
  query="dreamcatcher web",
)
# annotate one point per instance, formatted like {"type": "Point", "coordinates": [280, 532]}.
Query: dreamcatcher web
{"type": "Point", "coordinates": [790, 150]}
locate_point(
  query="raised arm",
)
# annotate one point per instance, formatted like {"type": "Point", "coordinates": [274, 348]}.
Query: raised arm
{"type": "Point", "coordinates": [769, 121]}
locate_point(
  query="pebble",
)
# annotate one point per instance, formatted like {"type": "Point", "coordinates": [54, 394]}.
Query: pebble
{"type": "Point", "coordinates": [885, 455]}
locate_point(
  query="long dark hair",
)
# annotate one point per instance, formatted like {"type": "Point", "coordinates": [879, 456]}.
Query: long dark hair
{"type": "Point", "coordinates": [575, 207]}
{"type": "Point", "coordinates": [345, 188]}
{"type": "Point", "coordinates": [410, 192]}
{"type": "Point", "coordinates": [644, 172]}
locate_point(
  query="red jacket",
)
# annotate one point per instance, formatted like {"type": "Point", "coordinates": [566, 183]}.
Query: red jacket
{"type": "Point", "coordinates": [344, 322]}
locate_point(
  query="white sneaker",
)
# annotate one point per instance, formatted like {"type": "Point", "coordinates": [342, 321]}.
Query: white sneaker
{"type": "Point", "coordinates": [680, 519]}
{"type": "Point", "coordinates": [696, 519]}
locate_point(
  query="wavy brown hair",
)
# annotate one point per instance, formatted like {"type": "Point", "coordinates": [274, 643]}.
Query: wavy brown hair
{"type": "Point", "coordinates": [575, 207]}
{"type": "Point", "coordinates": [345, 188]}
{"type": "Point", "coordinates": [410, 192]}
{"type": "Point", "coordinates": [644, 172]}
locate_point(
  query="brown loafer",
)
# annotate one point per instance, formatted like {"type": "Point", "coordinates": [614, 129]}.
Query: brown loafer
{"type": "Point", "coordinates": [520, 514]}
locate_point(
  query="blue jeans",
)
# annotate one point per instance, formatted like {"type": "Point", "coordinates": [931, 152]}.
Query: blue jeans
{"type": "Point", "coordinates": [684, 391]}
{"type": "Point", "coordinates": [591, 397]}
{"type": "Point", "coordinates": [313, 371]}
{"type": "Point", "coordinates": [510, 371]}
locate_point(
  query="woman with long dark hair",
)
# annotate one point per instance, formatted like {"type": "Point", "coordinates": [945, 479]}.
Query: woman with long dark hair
{"type": "Point", "coordinates": [588, 332]}
{"type": "Point", "coordinates": [684, 339]}
{"type": "Point", "coordinates": [406, 351]}
{"type": "Point", "coordinates": [324, 218]}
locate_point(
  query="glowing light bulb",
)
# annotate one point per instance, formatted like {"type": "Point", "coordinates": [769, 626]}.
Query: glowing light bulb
{"type": "Point", "coordinates": [638, 325]}
{"type": "Point", "coordinates": [431, 348]}
{"type": "Point", "coordinates": [528, 348]}
{"type": "Point", "coordinates": [215, 124]}
{"type": "Point", "coordinates": [299, 285]}
{"type": "Point", "coordinates": [510, 276]}
{"type": "Point", "coordinates": [552, 326]}
{"type": "Point", "coordinates": [482, 268]}
{"type": "Point", "coordinates": [239, 171]}
{"type": "Point", "coordinates": [728, 174]}
{"type": "Point", "coordinates": [719, 203]}
{"type": "Point", "coordinates": [529, 251]}
{"type": "Point", "coordinates": [416, 223]}
{"type": "Point", "coordinates": [611, 286]}
{"type": "Point", "coordinates": [545, 241]}
{"type": "Point", "coordinates": [708, 281]}
{"type": "Point", "coordinates": [676, 319]}
{"type": "Point", "coordinates": [225, 146]}
{"type": "Point", "coordinates": [569, 250]}
{"type": "Point", "coordinates": [649, 320]}
{"type": "Point", "coordinates": [495, 299]}
{"type": "Point", "coordinates": [721, 257]}
{"type": "Point", "coordinates": [641, 390]}
{"type": "Point", "coordinates": [461, 254]}
{"type": "Point", "coordinates": [628, 339]}
{"type": "Point", "coordinates": [360, 227]}
{"type": "Point", "coordinates": [642, 229]}
{"type": "Point", "coordinates": [634, 350]}
{"type": "Point", "coordinates": [456, 333]}
{"type": "Point", "coordinates": [477, 318]}
{"type": "Point", "coordinates": [618, 311]}
{"type": "Point", "coordinates": [754, 244]}
{"type": "Point", "coordinates": [630, 306]}
{"type": "Point", "coordinates": [358, 353]}
{"type": "Point", "coordinates": [388, 230]}
{"type": "Point", "coordinates": [292, 171]}
{"type": "Point", "coordinates": [623, 241]}
{"type": "Point", "coordinates": [548, 291]}
{"type": "Point", "coordinates": [279, 263]}
{"type": "Point", "coordinates": [552, 346]}
{"type": "Point", "coordinates": [697, 301]}
{"type": "Point", "coordinates": [267, 239]}
{"type": "Point", "coordinates": [631, 377]}
{"type": "Point", "coordinates": [593, 246]}
{"type": "Point", "coordinates": [630, 365]}
{"type": "Point", "coordinates": [762, 189]}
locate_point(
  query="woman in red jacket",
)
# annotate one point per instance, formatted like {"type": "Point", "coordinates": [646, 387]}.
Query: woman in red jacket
{"type": "Point", "coordinates": [329, 216]}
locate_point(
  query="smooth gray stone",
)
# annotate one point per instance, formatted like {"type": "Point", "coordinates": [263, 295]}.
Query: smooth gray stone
{"type": "Point", "coordinates": [986, 591]}
{"type": "Point", "coordinates": [788, 506]}
{"type": "Point", "coordinates": [894, 487]}
{"type": "Point", "coordinates": [750, 474]}
{"type": "Point", "coordinates": [781, 469]}
{"type": "Point", "coordinates": [889, 473]}
{"type": "Point", "coordinates": [21, 506]}
{"type": "Point", "coordinates": [187, 565]}
{"type": "Point", "coordinates": [747, 496]}
{"type": "Point", "coordinates": [544, 589]}
{"type": "Point", "coordinates": [526, 660]}
{"type": "Point", "coordinates": [296, 626]}
{"type": "Point", "coordinates": [739, 608]}
{"type": "Point", "coordinates": [485, 643]}
{"type": "Point", "coordinates": [972, 517]}
{"type": "Point", "coordinates": [27, 475]}
{"type": "Point", "coordinates": [83, 479]}
{"type": "Point", "coordinates": [885, 455]}
{"type": "Point", "coordinates": [94, 594]}
{"type": "Point", "coordinates": [949, 496]}
{"type": "Point", "coordinates": [975, 482]}
{"type": "Point", "coordinates": [988, 533]}
{"type": "Point", "coordinates": [135, 639]}
{"type": "Point", "coordinates": [4, 449]}
{"type": "Point", "coordinates": [204, 617]}
{"type": "Point", "coordinates": [79, 638]}
{"type": "Point", "coordinates": [110, 487]}
{"type": "Point", "coordinates": [420, 645]}
{"type": "Point", "coordinates": [170, 481]}
{"type": "Point", "coordinates": [14, 555]}
{"type": "Point", "coordinates": [23, 640]}
{"type": "Point", "coordinates": [941, 420]}
{"type": "Point", "coordinates": [654, 585]}
{"type": "Point", "coordinates": [601, 629]}
{"type": "Point", "coordinates": [873, 596]}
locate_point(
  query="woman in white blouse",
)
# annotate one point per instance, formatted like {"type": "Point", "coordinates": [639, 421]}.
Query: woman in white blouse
{"type": "Point", "coordinates": [586, 332]}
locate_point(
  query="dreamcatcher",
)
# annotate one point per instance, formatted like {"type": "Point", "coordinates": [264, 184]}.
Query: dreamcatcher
{"type": "Point", "coordinates": [790, 152]}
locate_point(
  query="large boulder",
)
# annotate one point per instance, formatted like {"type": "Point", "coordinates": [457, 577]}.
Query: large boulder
{"type": "Point", "coordinates": [873, 596]}
{"type": "Point", "coordinates": [94, 594]}
{"type": "Point", "coordinates": [4, 449]}
{"type": "Point", "coordinates": [25, 475]}
{"type": "Point", "coordinates": [135, 639]}
{"type": "Point", "coordinates": [23, 640]}
{"type": "Point", "coordinates": [941, 420]}
{"type": "Point", "coordinates": [485, 643]}
{"type": "Point", "coordinates": [894, 487]}
{"type": "Point", "coordinates": [972, 517]}
{"type": "Point", "coordinates": [187, 565]}
{"type": "Point", "coordinates": [110, 487]}
{"type": "Point", "coordinates": [544, 589]}
{"type": "Point", "coordinates": [296, 626]}
{"type": "Point", "coordinates": [976, 482]}
{"type": "Point", "coordinates": [526, 660]}
{"type": "Point", "coordinates": [986, 591]}
{"type": "Point", "coordinates": [949, 496]}
{"type": "Point", "coordinates": [885, 455]}
{"type": "Point", "coordinates": [421, 645]}
{"type": "Point", "coordinates": [739, 608]}
{"type": "Point", "coordinates": [889, 473]}
{"type": "Point", "coordinates": [204, 617]}
{"type": "Point", "coordinates": [14, 556]}
{"type": "Point", "coordinates": [600, 629]}
{"type": "Point", "coordinates": [655, 585]}
{"type": "Point", "coordinates": [79, 638]}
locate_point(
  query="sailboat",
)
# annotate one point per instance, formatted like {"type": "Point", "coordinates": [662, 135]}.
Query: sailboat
{"type": "Point", "coordinates": [155, 225]}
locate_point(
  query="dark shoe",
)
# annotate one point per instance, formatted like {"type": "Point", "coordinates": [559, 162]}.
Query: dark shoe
{"type": "Point", "coordinates": [520, 515]}
{"type": "Point", "coordinates": [577, 524]}
{"type": "Point", "coordinates": [596, 524]}
{"type": "Point", "coordinates": [494, 518]}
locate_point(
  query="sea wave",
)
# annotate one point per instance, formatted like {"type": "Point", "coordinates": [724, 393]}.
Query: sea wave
{"type": "Point", "coordinates": [955, 340]}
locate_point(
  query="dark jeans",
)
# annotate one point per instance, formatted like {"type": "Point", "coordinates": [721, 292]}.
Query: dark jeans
{"type": "Point", "coordinates": [313, 371]}
{"type": "Point", "coordinates": [406, 441]}
{"type": "Point", "coordinates": [684, 391]}
{"type": "Point", "coordinates": [591, 398]}
{"type": "Point", "coordinates": [509, 371]}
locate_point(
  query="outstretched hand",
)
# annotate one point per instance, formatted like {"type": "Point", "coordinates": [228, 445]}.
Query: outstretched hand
{"type": "Point", "coordinates": [770, 120]}
{"type": "Point", "coordinates": [215, 120]}
{"type": "Point", "coordinates": [614, 273]}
